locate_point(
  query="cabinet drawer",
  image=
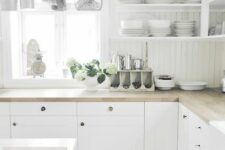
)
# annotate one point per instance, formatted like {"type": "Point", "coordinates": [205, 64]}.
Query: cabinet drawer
{"type": "Point", "coordinates": [43, 108]}
{"type": "Point", "coordinates": [4, 108]}
{"type": "Point", "coordinates": [110, 108]}
{"type": "Point", "coordinates": [44, 126]}
{"type": "Point", "coordinates": [4, 127]}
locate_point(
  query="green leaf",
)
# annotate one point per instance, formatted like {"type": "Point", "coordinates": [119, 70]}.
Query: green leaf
{"type": "Point", "coordinates": [95, 62]}
{"type": "Point", "coordinates": [92, 72]}
{"type": "Point", "coordinates": [105, 72]}
{"type": "Point", "coordinates": [73, 69]}
{"type": "Point", "coordinates": [101, 78]}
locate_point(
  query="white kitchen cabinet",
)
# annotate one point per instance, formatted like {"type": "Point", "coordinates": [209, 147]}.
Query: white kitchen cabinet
{"type": "Point", "coordinates": [193, 132]}
{"type": "Point", "coordinates": [43, 108]}
{"type": "Point", "coordinates": [161, 123]}
{"type": "Point", "coordinates": [111, 126]}
{"type": "Point", "coordinates": [183, 128]}
{"type": "Point", "coordinates": [216, 139]}
{"type": "Point", "coordinates": [43, 120]}
{"type": "Point", "coordinates": [4, 120]}
{"type": "Point", "coordinates": [198, 133]}
{"type": "Point", "coordinates": [44, 127]}
{"type": "Point", "coordinates": [4, 127]}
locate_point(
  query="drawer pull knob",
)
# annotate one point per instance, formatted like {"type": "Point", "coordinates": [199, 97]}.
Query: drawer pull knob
{"type": "Point", "coordinates": [14, 124]}
{"type": "Point", "coordinates": [110, 108]}
{"type": "Point", "coordinates": [184, 116]}
{"type": "Point", "coordinates": [199, 127]}
{"type": "Point", "coordinates": [198, 145]}
{"type": "Point", "coordinates": [43, 108]}
{"type": "Point", "coordinates": [82, 124]}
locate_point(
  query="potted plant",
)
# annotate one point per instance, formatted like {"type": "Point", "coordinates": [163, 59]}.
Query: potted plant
{"type": "Point", "coordinates": [91, 73]}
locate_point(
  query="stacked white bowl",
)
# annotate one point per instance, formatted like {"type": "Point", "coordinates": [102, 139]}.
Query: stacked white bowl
{"type": "Point", "coordinates": [184, 28]}
{"type": "Point", "coordinates": [132, 28]}
{"type": "Point", "coordinates": [159, 1]}
{"type": "Point", "coordinates": [131, 1]}
{"type": "Point", "coordinates": [164, 82]}
{"type": "Point", "coordinates": [159, 28]}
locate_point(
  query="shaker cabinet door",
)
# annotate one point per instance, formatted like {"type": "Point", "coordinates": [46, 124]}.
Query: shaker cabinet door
{"type": "Point", "coordinates": [111, 133]}
{"type": "Point", "coordinates": [44, 127]}
{"type": "Point", "coordinates": [4, 127]}
{"type": "Point", "coordinates": [161, 123]}
{"type": "Point", "coordinates": [183, 128]}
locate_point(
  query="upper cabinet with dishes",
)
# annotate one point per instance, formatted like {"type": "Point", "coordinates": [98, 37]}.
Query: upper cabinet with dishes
{"type": "Point", "coordinates": [169, 19]}
{"type": "Point", "coordinates": [50, 5]}
{"type": "Point", "coordinates": [216, 18]}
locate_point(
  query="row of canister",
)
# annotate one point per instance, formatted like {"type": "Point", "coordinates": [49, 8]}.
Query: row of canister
{"type": "Point", "coordinates": [127, 62]}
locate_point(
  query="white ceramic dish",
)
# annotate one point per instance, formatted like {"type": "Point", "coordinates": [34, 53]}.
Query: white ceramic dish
{"type": "Point", "coordinates": [164, 84]}
{"type": "Point", "coordinates": [159, 24]}
{"type": "Point", "coordinates": [192, 86]}
{"type": "Point", "coordinates": [132, 24]}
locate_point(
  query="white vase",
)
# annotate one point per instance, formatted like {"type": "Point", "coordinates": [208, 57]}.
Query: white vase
{"type": "Point", "coordinates": [91, 83]}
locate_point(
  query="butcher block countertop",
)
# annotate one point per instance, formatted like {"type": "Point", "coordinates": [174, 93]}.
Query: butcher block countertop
{"type": "Point", "coordinates": [208, 104]}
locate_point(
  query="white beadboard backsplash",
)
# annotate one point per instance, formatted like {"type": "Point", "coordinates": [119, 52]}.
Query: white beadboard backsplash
{"type": "Point", "coordinates": [185, 60]}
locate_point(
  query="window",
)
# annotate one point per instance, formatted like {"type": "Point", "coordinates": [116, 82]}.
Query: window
{"type": "Point", "coordinates": [60, 35]}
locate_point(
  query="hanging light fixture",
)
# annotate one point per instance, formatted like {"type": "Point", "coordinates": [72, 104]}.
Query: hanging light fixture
{"type": "Point", "coordinates": [89, 5]}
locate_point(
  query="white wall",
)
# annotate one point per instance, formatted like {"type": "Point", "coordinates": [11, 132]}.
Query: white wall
{"type": "Point", "coordinates": [186, 61]}
{"type": "Point", "coordinates": [1, 58]}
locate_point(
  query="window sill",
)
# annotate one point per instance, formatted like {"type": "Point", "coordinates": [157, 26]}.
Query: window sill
{"type": "Point", "coordinates": [47, 83]}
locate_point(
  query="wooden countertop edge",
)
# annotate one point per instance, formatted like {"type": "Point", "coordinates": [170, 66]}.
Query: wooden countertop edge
{"type": "Point", "coordinates": [89, 99]}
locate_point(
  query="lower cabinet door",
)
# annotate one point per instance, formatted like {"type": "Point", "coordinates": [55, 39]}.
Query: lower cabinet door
{"type": "Point", "coordinates": [44, 127]}
{"type": "Point", "coordinates": [4, 127]}
{"type": "Point", "coordinates": [111, 133]}
{"type": "Point", "coordinates": [161, 123]}
{"type": "Point", "coordinates": [183, 128]}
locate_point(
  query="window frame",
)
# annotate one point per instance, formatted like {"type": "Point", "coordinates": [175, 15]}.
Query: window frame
{"type": "Point", "coordinates": [10, 82]}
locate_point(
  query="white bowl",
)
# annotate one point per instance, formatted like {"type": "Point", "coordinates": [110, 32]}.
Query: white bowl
{"type": "Point", "coordinates": [192, 86]}
{"type": "Point", "coordinates": [159, 24]}
{"type": "Point", "coordinates": [132, 24]}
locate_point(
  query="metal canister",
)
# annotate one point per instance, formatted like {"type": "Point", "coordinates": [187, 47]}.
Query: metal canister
{"type": "Point", "coordinates": [127, 62]}
{"type": "Point", "coordinates": [138, 64]}
{"type": "Point", "coordinates": [118, 60]}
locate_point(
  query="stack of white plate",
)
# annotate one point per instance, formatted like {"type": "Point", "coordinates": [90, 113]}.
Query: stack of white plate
{"type": "Point", "coordinates": [131, 1]}
{"type": "Point", "coordinates": [159, 1]}
{"type": "Point", "coordinates": [163, 84]}
{"type": "Point", "coordinates": [184, 28]}
{"type": "Point", "coordinates": [192, 86]}
{"type": "Point", "coordinates": [132, 28]}
{"type": "Point", "coordinates": [159, 28]}
{"type": "Point", "coordinates": [191, 1]}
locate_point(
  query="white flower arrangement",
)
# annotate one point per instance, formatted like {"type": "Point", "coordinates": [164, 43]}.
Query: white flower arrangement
{"type": "Point", "coordinates": [80, 75]}
{"type": "Point", "coordinates": [111, 69]}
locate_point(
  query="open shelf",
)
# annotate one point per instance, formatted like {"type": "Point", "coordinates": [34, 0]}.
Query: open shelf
{"type": "Point", "coordinates": [159, 5]}
{"type": "Point", "coordinates": [150, 7]}
{"type": "Point", "coordinates": [216, 37]}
